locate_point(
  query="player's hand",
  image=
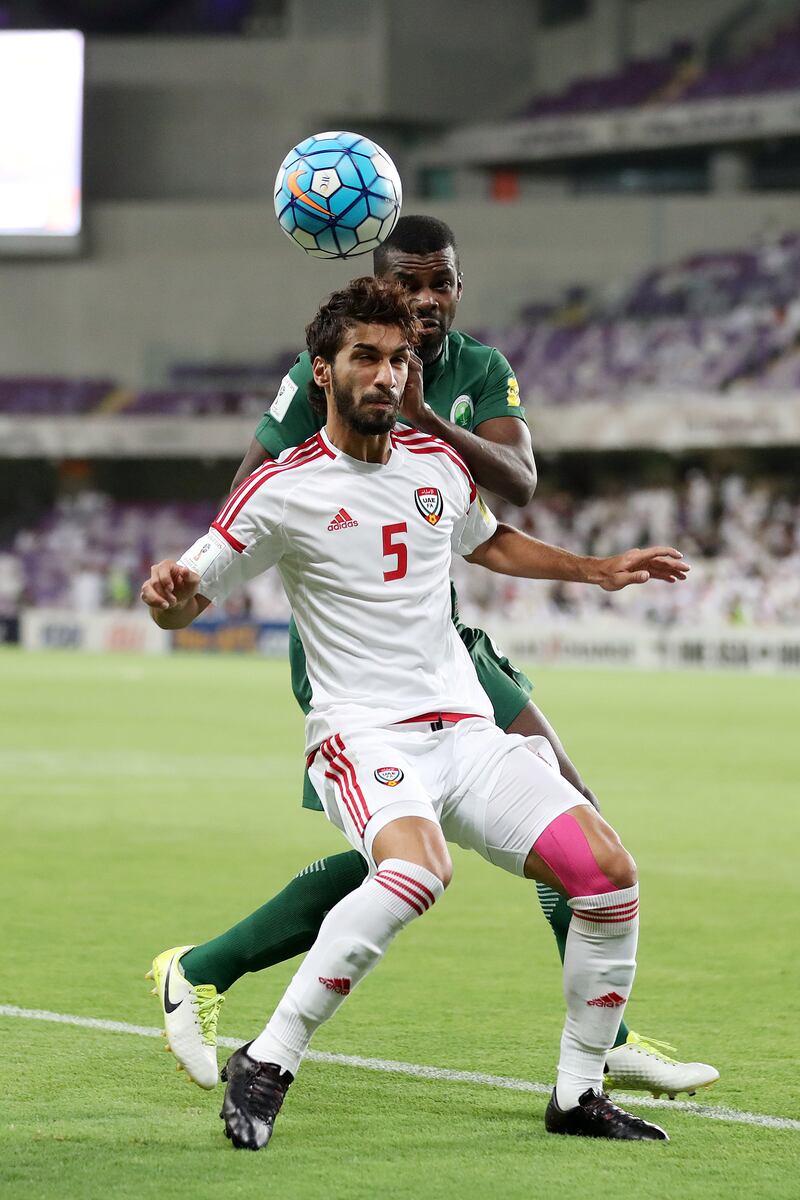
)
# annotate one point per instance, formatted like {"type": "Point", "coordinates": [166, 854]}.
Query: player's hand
{"type": "Point", "coordinates": [412, 406]}
{"type": "Point", "coordinates": [169, 585]}
{"type": "Point", "coordinates": [640, 566]}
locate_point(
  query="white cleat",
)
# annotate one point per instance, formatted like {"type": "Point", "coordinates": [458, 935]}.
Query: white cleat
{"type": "Point", "coordinates": [190, 1017]}
{"type": "Point", "coordinates": [643, 1065]}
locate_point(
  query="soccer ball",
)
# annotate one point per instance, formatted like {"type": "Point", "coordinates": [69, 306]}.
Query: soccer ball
{"type": "Point", "coordinates": [337, 195]}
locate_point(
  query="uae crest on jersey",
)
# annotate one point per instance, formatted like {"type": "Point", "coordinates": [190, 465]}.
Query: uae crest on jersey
{"type": "Point", "coordinates": [429, 504]}
{"type": "Point", "coordinates": [391, 776]}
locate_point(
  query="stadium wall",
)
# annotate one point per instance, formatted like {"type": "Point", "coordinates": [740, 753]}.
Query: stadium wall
{"type": "Point", "coordinates": [193, 118]}
{"type": "Point", "coordinates": [612, 32]}
{"type": "Point", "coordinates": [597, 643]}
{"type": "Point", "coordinates": [179, 118]}
{"type": "Point", "coordinates": [654, 25]}
{"type": "Point", "coordinates": [219, 281]}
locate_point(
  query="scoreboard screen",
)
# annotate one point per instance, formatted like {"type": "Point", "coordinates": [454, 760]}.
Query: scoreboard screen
{"type": "Point", "coordinates": [41, 119]}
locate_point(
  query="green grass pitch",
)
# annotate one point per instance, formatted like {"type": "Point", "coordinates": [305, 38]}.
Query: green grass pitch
{"type": "Point", "coordinates": [146, 802]}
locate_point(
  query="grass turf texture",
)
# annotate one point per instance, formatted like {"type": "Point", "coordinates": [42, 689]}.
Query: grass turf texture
{"type": "Point", "coordinates": [146, 802]}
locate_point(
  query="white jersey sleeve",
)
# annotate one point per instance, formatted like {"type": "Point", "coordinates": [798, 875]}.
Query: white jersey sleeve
{"type": "Point", "coordinates": [245, 540]}
{"type": "Point", "coordinates": [474, 527]}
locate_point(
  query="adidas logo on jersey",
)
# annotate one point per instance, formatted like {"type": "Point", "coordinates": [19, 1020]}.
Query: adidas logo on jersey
{"type": "Point", "coordinates": [342, 520]}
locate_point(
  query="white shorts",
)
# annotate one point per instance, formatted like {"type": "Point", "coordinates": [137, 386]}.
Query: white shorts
{"type": "Point", "coordinates": [488, 790]}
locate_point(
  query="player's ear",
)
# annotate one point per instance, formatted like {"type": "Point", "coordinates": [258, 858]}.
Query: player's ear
{"type": "Point", "coordinates": [459, 285]}
{"type": "Point", "coordinates": [322, 372]}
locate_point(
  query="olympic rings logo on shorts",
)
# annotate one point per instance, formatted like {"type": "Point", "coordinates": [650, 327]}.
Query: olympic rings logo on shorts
{"type": "Point", "coordinates": [390, 776]}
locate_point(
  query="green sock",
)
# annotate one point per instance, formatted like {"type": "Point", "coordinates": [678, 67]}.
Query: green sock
{"type": "Point", "coordinates": [559, 915]}
{"type": "Point", "coordinates": [286, 925]}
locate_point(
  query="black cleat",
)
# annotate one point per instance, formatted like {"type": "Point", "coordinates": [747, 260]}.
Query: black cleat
{"type": "Point", "coordinates": [253, 1099]}
{"type": "Point", "coordinates": [596, 1116]}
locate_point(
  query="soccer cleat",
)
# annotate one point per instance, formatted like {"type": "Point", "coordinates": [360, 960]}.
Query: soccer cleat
{"type": "Point", "coordinates": [190, 1017]}
{"type": "Point", "coordinates": [643, 1065]}
{"type": "Point", "coordinates": [253, 1099]}
{"type": "Point", "coordinates": [596, 1117]}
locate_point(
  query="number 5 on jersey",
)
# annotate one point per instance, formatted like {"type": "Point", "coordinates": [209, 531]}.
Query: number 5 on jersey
{"type": "Point", "coordinates": [395, 549]}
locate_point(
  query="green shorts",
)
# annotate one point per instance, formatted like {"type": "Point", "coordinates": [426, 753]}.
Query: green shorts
{"type": "Point", "coordinates": [508, 689]}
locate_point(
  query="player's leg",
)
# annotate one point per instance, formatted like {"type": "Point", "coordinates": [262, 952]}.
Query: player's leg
{"type": "Point", "coordinates": [399, 833]}
{"type": "Point", "coordinates": [635, 1063]}
{"type": "Point", "coordinates": [509, 691]}
{"type": "Point", "coordinates": [286, 925]}
{"type": "Point", "coordinates": [413, 868]}
{"type": "Point", "coordinates": [518, 811]}
{"type": "Point", "coordinates": [530, 721]}
{"type": "Point", "coordinates": [190, 980]}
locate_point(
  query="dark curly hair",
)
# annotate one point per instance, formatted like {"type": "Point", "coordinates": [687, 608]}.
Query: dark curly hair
{"type": "Point", "coordinates": [415, 235]}
{"type": "Point", "coordinates": [366, 300]}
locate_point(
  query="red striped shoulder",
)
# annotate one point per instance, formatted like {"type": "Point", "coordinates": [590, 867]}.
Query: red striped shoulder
{"type": "Point", "coordinates": [310, 452]}
{"type": "Point", "coordinates": [261, 475]}
{"type": "Point", "coordinates": [296, 454]}
{"type": "Point", "coordinates": [417, 443]}
{"type": "Point", "coordinates": [409, 434]}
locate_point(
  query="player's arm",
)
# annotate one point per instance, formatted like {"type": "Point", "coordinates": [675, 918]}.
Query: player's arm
{"type": "Point", "coordinates": [255, 456]}
{"type": "Point", "coordinates": [246, 539]}
{"type": "Point", "coordinates": [499, 453]}
{"type": "Point", "coordinates": [289, 421]}
{"type": "Point", "coordinates": [510, 552]}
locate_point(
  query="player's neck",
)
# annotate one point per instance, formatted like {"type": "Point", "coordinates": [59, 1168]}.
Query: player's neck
{"type": "Point", "coordinates": [369, 448]}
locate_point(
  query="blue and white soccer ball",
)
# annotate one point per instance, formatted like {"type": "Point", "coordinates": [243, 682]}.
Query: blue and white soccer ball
{"type": "Point", "coordinates": [337, 195]}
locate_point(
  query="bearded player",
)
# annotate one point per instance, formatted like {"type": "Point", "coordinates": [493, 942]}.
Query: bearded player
{"type": "Point", "coordinates": [466, 394]}
{"type": "Point", "coordinates": [401, 742]}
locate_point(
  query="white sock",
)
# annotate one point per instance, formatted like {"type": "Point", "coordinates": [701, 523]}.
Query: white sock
{"type": "Point", "coordinates": [352, 939]}
{"type": "Point", "coordinates": [599, 965]}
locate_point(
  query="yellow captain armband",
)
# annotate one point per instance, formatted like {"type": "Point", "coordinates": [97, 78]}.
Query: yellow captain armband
{"type": "Point", "coordinates": [512, 395]}
{"type": "Point", "coordinates": [484, 511]}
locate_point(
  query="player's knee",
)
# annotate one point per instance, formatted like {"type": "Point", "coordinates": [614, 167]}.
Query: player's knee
{"type": "Point", "coordinates": [618, 866]}
{"type": "Point", "coordinates": [441, 865]}
{"type": "Point", "coordinates": [584, 855]}
{"type": "Point", "coordinates": [415, 840]}
{"type": "Point", "coordinates": [437, 860]}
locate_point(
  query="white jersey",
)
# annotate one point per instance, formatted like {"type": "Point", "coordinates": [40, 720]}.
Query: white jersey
{"type": "Point", "coordinates": [364, 552]}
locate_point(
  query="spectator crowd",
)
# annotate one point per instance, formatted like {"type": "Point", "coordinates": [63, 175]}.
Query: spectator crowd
{"type": "Point", "coordinates": [742, 537]}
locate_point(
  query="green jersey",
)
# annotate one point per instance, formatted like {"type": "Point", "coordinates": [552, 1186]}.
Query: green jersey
{"type": "Point", "coordinates": [469, 383]}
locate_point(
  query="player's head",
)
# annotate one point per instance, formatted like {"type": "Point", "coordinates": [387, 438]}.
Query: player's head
{"type": "Point", "coordinates": [360, 342]}
{"type": "Point", "coordinates": [421, 255]}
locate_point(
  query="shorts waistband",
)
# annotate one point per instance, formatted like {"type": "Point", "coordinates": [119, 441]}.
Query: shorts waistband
{"type": "Point", "coordinates": [434, 720]}
{"type": "Point", "coordinates": [439, 720]}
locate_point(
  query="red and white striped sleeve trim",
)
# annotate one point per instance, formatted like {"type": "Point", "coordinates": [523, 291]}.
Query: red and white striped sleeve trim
{"type": "Point", "coordinates": [229, 538]}
{"type": "Point", "coordinates": [309, 452]}
{"type": "Point", "coordinates": [423, 443]}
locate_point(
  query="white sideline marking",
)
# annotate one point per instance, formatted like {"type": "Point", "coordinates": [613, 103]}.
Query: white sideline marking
{"type": "Point", "coordinates": [420, 1071]}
